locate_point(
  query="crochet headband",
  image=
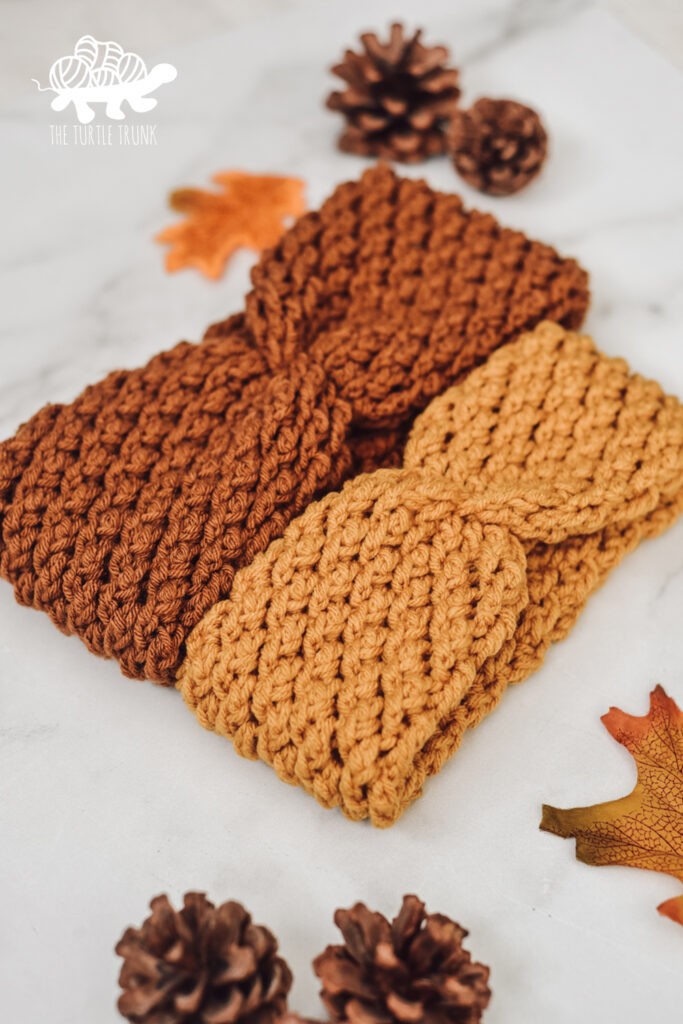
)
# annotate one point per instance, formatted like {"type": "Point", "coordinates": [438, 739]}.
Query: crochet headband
{"type": "Point", "coordinates": [126, 514]}
{"type": "Point", "coordinates": [354, 652]}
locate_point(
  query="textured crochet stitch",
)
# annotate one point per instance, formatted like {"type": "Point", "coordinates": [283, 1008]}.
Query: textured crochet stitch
{"type": "Point", "coordinates": [126, 513]}
{"type": "Point", "coordinates": [355, 651]}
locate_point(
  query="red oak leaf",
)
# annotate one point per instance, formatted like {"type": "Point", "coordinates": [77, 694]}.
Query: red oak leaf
{"type": "Point", "coordinates": [645, 828]}
{"type": "Point", "coordinates": [249, 211]}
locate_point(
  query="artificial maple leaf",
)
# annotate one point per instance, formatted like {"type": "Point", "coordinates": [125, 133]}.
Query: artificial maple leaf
{"type": "Point", "coordinates": [645, 828]}
{"type": "Point", "coordinates": [249, 212]}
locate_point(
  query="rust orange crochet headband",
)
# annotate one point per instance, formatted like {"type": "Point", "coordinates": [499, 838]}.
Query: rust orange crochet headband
{"type": "Point", "coordinates": [126, 514]}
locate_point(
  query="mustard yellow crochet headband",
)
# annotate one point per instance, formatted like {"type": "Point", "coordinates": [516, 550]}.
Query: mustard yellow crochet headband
{"type": "Point", "coordinates": [355, 651]}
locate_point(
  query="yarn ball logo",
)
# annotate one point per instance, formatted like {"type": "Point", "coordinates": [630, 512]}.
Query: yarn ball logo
{"type": "Point", "coordinates": [99, 72]}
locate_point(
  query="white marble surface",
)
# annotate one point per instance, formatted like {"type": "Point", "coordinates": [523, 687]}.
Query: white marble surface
{"type": "Point", "coordinates": [110, 790]}
{"type": "Point", "coordinates": [659, 22]}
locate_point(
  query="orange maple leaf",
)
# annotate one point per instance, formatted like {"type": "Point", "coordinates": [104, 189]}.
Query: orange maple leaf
{"type": "Point", "coordinates": [645, 828]}
{"type": "Point", "coordinates": [249, 212]}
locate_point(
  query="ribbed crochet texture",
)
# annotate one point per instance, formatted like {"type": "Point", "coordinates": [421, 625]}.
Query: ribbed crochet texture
{"type": "Point", "coordinates": [126, 514]}
{"type": "Point", "coordinates": [354, 652]}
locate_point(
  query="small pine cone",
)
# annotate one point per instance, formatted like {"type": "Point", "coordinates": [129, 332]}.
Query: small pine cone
{"type": "Point", "coordinates": [201, 965]}
{"type": "Point", "coordinates": [497, 146]}
{"type": "Point", "coordinates": [399, 97]}
{"type": "Point", "coordinates": [412, 970]}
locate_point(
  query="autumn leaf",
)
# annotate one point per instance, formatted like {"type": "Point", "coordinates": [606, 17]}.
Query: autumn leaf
{"type": "Point", "coordinates": [249, 212]}
{"type": "Point", "coordinates": [672, 908]}
{"type": "Point", "coordinates": [645, 828]}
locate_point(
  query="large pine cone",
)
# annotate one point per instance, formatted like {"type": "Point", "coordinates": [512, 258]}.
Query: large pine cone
{"type": "Point", "coordinates": [399, 97]}
{"type": "Point", "coordinates": [412, 970]}
{"type": "Point", "coordinates": [497, 146]}
{"type": "Point", "coordinates": [201, 965]}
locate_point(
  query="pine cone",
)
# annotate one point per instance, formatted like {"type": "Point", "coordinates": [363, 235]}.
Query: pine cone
{"type": "Point", "coordinates": [201, 965]}
{"type": "Point", "coordinates": [412, 970]}
{"type": "Point", "coordinates": [399, 97]}
{"type": "Point", "coordinates": [497, 146]}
